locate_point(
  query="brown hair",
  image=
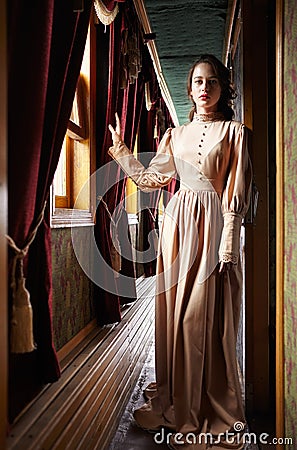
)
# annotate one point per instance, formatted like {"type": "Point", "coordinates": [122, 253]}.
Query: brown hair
{"type": "Point", "coordinates": [223, 74]}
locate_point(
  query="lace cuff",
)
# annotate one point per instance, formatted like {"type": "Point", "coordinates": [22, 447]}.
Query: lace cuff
{"type": "Point", "coordinates": [120, 149]}
{"type": "Point", "coordinates": [229, 259]}
{"type": "Point", "coordinates": [159, 172]}
{"type": "Point", "coordinates": [123, 156]}
{"type": "Point", "coordinates": [230, 240]}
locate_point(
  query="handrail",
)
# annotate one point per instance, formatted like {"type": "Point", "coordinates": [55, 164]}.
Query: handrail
{"type": "Point", "coordinates": [232, 4]}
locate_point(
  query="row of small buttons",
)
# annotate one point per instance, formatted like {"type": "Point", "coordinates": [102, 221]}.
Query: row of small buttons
{"type": "Point", "coordinates": [200, 145]}
{"type": "Point", "coordinates": [201, 140]}
{"type": "Point", "coordinates": [201, 177]}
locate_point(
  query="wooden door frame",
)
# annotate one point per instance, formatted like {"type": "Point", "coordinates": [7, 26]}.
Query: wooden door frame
{"type": "Point", "coordinates": [255, 116]}
{"type": "Point", "coordinates": [280, 428]}
{"type": "Point", "coordinates": [3, 228]}
{"type": "Point", "coordinates": [241, 14]}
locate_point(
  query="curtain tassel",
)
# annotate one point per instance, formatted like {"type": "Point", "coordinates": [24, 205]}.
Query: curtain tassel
{"type": "Point", "coordinates": [115, 251]}
{"type": "Point", "coordinates": [153, 235]}
{"type": "Point", "coordinates": [21, 329]}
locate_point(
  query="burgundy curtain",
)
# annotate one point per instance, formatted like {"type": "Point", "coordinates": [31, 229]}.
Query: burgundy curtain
{"type": "Point", "coordinates": [110, 4]}
{"type": "Point", "coordinates": [148, 215]}
{"type": "Point", "coordinates": [127, 102]}
{"type": "Point", "coordinates": [116, 93]}
{"type": "Point", "coordinates": [45, 47]}
{"type": "Point", "coordinates": [173, 186]}
{"type": "Point", "coordinates": [153, 125]}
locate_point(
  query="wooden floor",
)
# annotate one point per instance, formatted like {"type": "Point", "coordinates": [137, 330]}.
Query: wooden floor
{"type": "Point", "coordinates": [91, 406]}
{"type": "Point", "coordinates": [128, 436]}
{"type": "Point", "coordinates": [83, 408]}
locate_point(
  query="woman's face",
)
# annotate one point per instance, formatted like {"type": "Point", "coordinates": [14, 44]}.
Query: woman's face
{"type": "Point", "coordinates": [205, 88]}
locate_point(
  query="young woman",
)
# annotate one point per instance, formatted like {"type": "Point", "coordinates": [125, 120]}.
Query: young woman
{"type": "Point", "coordinates": [199, 277]}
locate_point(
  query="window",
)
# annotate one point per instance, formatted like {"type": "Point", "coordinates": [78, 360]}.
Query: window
{"type": "Point", "coordinates": [132, 196]}
{"type": "Point", "coordinates": [77, 161]}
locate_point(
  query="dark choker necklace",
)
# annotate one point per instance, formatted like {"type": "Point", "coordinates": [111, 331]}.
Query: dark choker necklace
{"type": "Point", "coordinates": [208, 117]}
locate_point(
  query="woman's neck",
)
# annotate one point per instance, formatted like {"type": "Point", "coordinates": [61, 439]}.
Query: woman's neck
{"type": "Point", "coordinates": [212, 116]}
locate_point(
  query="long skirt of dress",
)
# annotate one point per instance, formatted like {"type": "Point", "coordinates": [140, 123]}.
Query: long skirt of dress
{"type": "Point", "coordinates": [197, 315]}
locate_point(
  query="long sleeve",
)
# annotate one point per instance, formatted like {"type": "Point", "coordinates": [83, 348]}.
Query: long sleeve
{"type": "Point", "coordinates": [160, 170]}
{"type": "Point", "coordinates": [236, 195]}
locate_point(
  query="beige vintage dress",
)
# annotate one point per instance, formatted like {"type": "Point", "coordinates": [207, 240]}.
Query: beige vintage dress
{"type": "Point", "coordinates": [197, 309]}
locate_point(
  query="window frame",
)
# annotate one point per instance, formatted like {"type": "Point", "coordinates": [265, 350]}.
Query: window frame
{"type": "Point", "coordinates": [65, 216]}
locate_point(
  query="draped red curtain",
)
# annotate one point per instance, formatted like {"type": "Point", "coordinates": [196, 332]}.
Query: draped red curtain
{"type": "Point", "coordinates": [45, 48]}
{"type": "Point", "coordinates": [110, 4]}
{"type": "Point", "coordinates": [173, 186]}
{"type": "Point", "coordinates": [148, 215]}
{"type": "Point", "coordinates": [153, 125]}
{"type": "Point", "coordinates": [126, 99]}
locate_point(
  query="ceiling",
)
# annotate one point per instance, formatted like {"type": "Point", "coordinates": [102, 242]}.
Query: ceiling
{"type": "Point", "coordinates": [185, 29]}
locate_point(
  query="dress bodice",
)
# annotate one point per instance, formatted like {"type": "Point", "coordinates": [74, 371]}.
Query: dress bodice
{"type": "Point", "coordinates": [202, 154]}
{"type": "Point", "coordinates": [205, 156]}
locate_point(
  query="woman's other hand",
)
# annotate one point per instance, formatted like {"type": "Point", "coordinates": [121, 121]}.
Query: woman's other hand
{"type": "Point", "coordinates": [116, 133]}
{"type": "Point", "coordinates": [225, 266]}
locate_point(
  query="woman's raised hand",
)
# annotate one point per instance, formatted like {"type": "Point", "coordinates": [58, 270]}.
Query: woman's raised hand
{"type": "Point", "coordinates": [116, 133]}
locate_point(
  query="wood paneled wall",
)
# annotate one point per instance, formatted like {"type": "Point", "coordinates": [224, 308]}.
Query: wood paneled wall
{"type": "Point", "coordinates": [3, 228]}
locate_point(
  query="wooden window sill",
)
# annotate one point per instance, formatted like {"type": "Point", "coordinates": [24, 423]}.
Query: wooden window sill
{"type": "Point", "coordinates": [65, 218]}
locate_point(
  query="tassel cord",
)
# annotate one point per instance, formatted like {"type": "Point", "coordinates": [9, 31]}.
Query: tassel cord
{"type": "Point", "coordinates": [21, 331]}
{"type": "Point", "coordinates": [20, 253]}
{"type": "Point", "coordinates": [114, 232]}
